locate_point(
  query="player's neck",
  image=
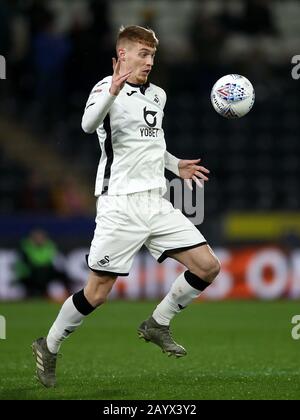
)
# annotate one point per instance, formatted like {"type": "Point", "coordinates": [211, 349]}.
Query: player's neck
{"type": "Point", "coordinates": [135, 82]}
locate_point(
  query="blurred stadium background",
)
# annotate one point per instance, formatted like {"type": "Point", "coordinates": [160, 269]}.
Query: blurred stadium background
{"type": "Point", "coordinates": [55, 51]}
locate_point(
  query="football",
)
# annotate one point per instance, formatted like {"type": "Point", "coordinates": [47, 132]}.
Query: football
{"type": "Point", "coordinates": [232, 96]}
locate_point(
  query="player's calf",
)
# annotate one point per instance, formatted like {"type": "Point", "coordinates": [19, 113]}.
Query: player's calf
{"type": "Point", "coordinates": [206, 271]}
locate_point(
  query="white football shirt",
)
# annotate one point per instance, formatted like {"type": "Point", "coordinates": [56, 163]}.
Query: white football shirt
{"type": "Point", "coordinates": [129, 128]}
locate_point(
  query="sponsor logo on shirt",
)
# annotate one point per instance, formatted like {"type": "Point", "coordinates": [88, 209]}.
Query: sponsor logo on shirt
{"type": "Point", "coordinates": [131, 93]}
{"type": "Point", "coordinates": [150, 117]}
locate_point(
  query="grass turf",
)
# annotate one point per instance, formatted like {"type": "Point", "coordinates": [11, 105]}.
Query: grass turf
{"type": "Point", "coordinates": [236, 350]}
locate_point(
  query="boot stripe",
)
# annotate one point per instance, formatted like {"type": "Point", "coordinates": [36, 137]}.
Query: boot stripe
{"type": "Point", "coordinates": [40, 366]}
{"type": "Point", "coordinates": [40, 361]}
{"type": "Point", "coordinates": [39, 354]}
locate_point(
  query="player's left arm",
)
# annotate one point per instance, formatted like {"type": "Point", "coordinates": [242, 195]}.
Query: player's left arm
{"type": "Point", "coordinates": [186, 169]}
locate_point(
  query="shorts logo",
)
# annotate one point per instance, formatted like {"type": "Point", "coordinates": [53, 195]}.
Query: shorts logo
{"type": "Point", "coordinates": [104, 262]}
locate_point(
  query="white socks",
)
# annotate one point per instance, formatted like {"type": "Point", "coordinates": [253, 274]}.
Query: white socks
{"type": "Point", "coordinates": [68, 319]}
{"type": "Point", "coordinates": [179, 296]}
{"type": "Point", "coordinates": [184, 290]}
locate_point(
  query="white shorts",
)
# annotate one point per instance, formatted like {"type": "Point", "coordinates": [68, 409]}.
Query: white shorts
{"type": "Point", "coordinates": [124, 223]}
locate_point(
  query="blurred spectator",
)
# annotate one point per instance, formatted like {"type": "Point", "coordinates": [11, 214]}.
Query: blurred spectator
{"type": "Point", "coordinates": [207, 37]}
{"type": "Point", "coordinates": [5, 25]}
{"type": "Point", "coordinates": [35, 267]}
{"type": "Point", "coordinates": [50, 54]}
{"type": "Point", "coordinates": [258, 18]}
{"type": "Point", "coordinates": [68, 199]}
{"type": "Point", "coordinates": [36, 194]}
{"type": "Point", "coordinates": [93, 49]}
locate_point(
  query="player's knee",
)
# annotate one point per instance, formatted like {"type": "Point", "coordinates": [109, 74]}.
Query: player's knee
{"type": "Point", "coordinates": [208, 269]}
{"type": "Point", "coordinates": [99, 299]}
{"type": "Point", "coordinates": [98, 288]}
{"type": "Point", "coordinates": [214, 269]}
{"type": "Point", "coordinates": [96, 295]}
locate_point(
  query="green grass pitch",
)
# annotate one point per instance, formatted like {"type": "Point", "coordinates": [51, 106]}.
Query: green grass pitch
{"type": "Point", "coordinates": [236, 350]}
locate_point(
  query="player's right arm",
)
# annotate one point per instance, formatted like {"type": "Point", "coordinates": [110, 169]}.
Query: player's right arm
{"type": "Point", "coordinates": [101, 99]}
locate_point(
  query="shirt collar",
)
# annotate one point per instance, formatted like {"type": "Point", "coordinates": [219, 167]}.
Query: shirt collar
{"type": "Point", "coordinates": [142, 87]}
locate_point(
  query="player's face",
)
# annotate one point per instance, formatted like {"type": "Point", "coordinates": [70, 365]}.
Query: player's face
{"type": "Point", "coordinates": [139, 58]}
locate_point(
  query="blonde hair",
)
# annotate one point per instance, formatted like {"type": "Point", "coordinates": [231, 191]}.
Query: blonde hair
{"type": "Point", "coordinates": [136, 33]}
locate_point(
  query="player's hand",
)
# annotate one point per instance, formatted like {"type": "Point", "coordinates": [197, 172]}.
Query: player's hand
{"type": "Point", "coordinates": [190, 170]}
{"type": "Point", "coordinates": [118, 79]}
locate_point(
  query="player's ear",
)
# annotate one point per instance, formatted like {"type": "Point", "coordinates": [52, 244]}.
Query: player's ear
{"type": "Point", "coordinates": [122, 54]}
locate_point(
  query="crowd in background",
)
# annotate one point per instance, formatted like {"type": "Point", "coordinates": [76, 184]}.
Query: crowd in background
{"type": "Point", "coordinates": [57, 50]}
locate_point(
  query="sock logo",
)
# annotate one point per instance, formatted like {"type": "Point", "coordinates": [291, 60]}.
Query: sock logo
{"type": "Point", "coordinates": [67, 332]}
{"type": "Point", "coordinates": [104, 262]}
{"type": "Point", "coordinates": [181, 307]}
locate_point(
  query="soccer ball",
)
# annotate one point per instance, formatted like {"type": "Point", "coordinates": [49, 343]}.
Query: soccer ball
{"type": "Point", "coordinates": [232, 96]}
